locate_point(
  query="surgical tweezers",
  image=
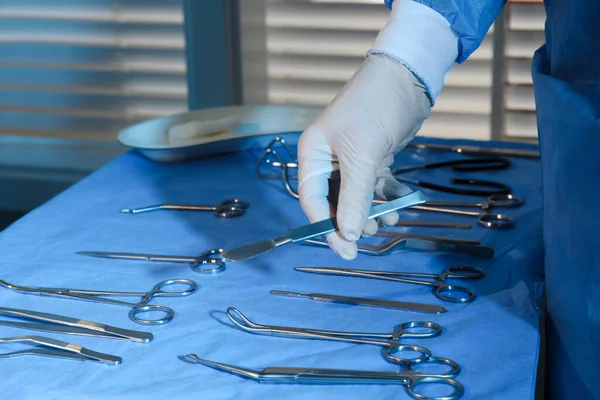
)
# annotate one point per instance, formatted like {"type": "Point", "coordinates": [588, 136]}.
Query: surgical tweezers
{"type": "Point", "coordinates": [59, 349]}
{"type": "Point", "coordinates": [61, 324]}
{"type": "Point", "coordinates": [328, 376]}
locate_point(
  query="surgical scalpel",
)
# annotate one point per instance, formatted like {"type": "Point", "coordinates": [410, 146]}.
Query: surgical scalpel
{"type": "Point", "coordinates": [226, 209]}
{"type": "Point", "coordinates": [317, 229]}
{"type": "Point", "coordinates": [326, 376]}
{"type": "Point", "coordinates": [61, 324]}
{"type": "Point", "coordinates": [136, 308]}
{"type": "Point", "coordinates": [59, 349]}
{"type": "Point", "coordinates": [209, 262]}
{"type": "Point", "coordinates": [363, 301]}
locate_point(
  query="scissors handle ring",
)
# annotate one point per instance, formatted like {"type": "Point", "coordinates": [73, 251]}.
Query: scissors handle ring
{"type": "Point", "coordinates": [414, 382]}
{"type": "Point", "coordinates": [231, 208]}
{"type": "Point", "coordinates": [395, 347]}
{"type": "Point", "coordinates": [237, 203]}
{"type": "Point", "coordinates": [209, 266]}
{"type": "Point", "coordinates": [158, 290]}
{"type": "Point", "coordinates": [229, 212]}
{"type": "Point", "coordinates": [504, 200]}
{"type": "Point", "coordinates": [442, 290]}
{"type": "Point", "coordinates": [210, 262]}
{"type": "Point", "coordinates": [452, 371]}
{"type": "Point", "coordinates": [169, 314]}
{"type": "Point", "coordinates": [496, 221]}
{"type": "Point", "coordinates": [406, 330]}
{"type": "Point", "coordinates": [462, 272]}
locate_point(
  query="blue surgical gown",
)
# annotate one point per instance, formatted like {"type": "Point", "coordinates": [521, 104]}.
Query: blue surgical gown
{"type": "Point", "coordinates": [566, 76]}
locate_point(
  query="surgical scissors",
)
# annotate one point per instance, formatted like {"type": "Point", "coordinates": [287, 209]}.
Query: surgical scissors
{"type": "Point", "coordinates": [226, 209]}
{"type": "Point", "coordinates": [389, 341]}
{"type": "Point", "coordinates": [209, 262]}
{"type": "Point", "coordinates": [484, 217]}
{"type": "Point", "coordinates": [409, 379]}
{"type": "Point", "coordinates": [440, 288]}
{"type": "Point", "coordinates": [470, 164]}
{"type": "Point", "coordinates": [137, 308]}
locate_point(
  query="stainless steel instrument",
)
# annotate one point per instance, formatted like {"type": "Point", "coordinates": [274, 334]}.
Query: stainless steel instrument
{"type": "Point", "coordinates": [209, 262]}
{"type": "Point", "coordinates": [441, 289]}
{"type": "Point", "coordinates": [327, 376]}
{"type": "Point", "coordinates": [317, 229]}
{"type": "Point", "coordinates": [390, 342]}
{"type": "Point", "coordinates": [60, 324]}
{"type": "Point", "coordinates": [56, 348]}
{"type": "Point", "coordinates": [136, 308]}
{"type": "Point", "coordinates": [227, 209]}
{"type": "Point", "coordinates": [363, 301]}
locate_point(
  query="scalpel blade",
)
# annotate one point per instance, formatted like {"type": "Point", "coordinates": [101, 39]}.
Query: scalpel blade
{"type": "Point", "coordinates": [317, 229]}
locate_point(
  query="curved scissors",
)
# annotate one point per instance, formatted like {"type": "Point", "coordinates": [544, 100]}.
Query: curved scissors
{"type": "Point", "coordinates": [440, 288]}
{"type": "Point", "coordinates": [226, 209]}
{"type": "Point", "coordinates": [409, 379]}
{"type": "Point", "coordinates": [391, 344]}
{"type": "Point", "coordinates": [96, 295]}
{"type": "Point", "coordinates": [469, 164]}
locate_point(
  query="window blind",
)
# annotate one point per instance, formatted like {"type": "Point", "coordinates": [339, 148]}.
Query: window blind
{"type": "Point", "coordinates": [84, 69]}
{"type": "Point", "coordinates": [314, 47]}
{"type": "Point", "coordinates": [525, 34]}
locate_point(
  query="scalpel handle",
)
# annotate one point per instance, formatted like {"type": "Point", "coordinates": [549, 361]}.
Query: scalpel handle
{"type": "Point", "coordinates": [361, 301]}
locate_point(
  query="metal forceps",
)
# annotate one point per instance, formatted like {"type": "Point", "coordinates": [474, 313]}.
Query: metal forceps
{"type": "Point", "coordinates": [484, 217]}
{"type": "Point", "coordinates": [471, 164]}
{"type": "Point", "coordinates": [388, 341]}
{"type": "Point", "coordinates": [96, 296]}
{"type": "Point", "coordinates": [440, 288]}
{"type": "Point", "coordinates": [48, 347]}
{"type": "Point", "coordinates": [226, 209]}
{"type": "Point", "coordinates": [71, 326]}
{"type": "Point", "coordinates": [409, 379]}
{"type": "Point", "coordinates": [209, 262]}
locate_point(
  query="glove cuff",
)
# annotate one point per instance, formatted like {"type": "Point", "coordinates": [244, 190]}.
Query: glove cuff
{"type": "Point", "coordinates": [421, 39]}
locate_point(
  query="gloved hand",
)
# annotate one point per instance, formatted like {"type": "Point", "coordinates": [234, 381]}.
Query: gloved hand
{"type": "Point", "coordinates": [374, 116]}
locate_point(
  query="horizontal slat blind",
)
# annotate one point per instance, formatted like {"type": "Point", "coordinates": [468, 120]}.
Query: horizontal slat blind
{"type": "Point", "coordinates": [525, 34]}
{"type": "Point", "coordinates": [85, 69]}
{"type": "Point", "coordinates": [314, 47]}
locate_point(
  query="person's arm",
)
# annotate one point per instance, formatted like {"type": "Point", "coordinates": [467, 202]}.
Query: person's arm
{"type": "Point", "coordinates": [382, 108]}
{"type": "Point", "coordinates": [427, 36]}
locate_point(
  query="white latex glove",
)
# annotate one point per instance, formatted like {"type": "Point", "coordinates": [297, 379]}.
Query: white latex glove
{"type": "Point", "coordinates": [374, 116]}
